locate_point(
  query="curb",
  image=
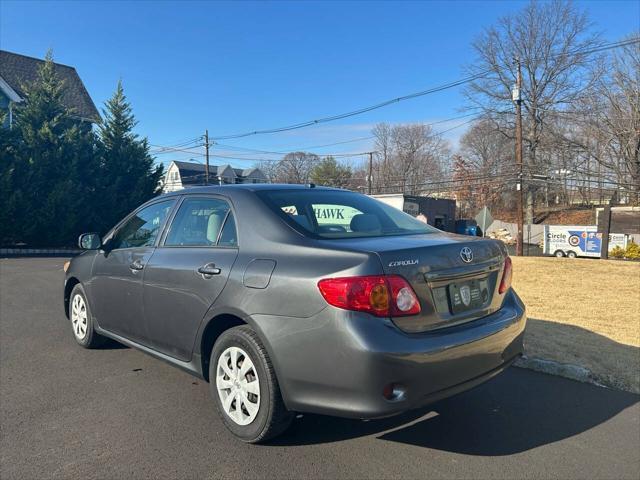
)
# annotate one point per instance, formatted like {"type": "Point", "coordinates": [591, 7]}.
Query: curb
{"type": "Point", "coordinates": [38, 252]}
{"type": "Point", "coordinates": [566, 370]}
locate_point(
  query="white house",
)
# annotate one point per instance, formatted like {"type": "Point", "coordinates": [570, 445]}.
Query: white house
{"type": "Point", "coordinates": [190, 174]}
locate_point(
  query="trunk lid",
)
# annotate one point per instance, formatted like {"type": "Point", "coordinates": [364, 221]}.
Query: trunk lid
{"type": "Point", "coordinates": [455, 277]}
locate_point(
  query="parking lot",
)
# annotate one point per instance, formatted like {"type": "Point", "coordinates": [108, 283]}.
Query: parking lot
{"type": "Point", "coordinates": [117, 413]}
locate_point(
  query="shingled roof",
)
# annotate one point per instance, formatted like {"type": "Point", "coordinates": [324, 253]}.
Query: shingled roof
{"type": "Point", "coordinates": [191, 172]}
{"type": "Point", "coordinates": [17, 70]}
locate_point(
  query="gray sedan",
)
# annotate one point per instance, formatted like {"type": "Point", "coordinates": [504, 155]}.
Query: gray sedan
{"type": "Point", "coordinates": [298, 299]}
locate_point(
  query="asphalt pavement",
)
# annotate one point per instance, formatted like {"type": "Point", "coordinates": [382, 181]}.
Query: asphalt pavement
{"type": "Point", "coordinates": [66, 412]}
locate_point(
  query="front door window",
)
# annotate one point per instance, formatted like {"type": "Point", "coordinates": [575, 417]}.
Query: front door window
{"type": "Point", "coordinates": [143, 228]}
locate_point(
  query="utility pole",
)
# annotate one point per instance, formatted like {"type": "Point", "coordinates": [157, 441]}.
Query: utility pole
{"type": "Point", "coordinates": [606, 227]}
{"type": "Point", "coordinates": [517, 98]}
{"type": "Point", "coordinates": [370, 176]}
{"type": "Point", "coordinates": [206, 153]}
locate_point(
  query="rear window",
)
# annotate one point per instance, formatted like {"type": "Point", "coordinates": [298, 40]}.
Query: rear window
{"type": "Point", "coordinates": [340, 214]}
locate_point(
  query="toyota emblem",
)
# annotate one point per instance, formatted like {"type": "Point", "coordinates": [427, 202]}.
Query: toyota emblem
{"type": "Point", "coordinates": [466, 255]}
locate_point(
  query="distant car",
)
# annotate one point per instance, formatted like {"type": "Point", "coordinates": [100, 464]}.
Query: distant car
{"type": "Point", "coordinates": [298, 299]}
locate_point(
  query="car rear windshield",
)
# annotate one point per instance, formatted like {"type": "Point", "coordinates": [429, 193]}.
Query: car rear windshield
{"type": "Point", "coordinates": [340, 214]}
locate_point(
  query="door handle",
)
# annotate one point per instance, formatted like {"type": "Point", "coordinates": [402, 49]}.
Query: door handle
{"type": "Point", "coordinates": [209, 269]}
{"type": "Point", "coordinates": [136, 265]}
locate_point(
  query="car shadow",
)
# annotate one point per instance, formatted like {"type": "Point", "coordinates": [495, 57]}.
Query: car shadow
{"type": "Point", "coordinates": [610, 363]}
{"type": "Point", "coordinates": [515, 412]}
{"type": "Point", "coordinates": [111, 344]}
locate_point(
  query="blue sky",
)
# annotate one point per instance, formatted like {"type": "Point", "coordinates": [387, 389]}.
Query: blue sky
{"type": "Point", "coordinates": [233, 67]}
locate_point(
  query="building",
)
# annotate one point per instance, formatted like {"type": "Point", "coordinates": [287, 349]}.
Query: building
{"type": "Point", "coordinates": [187, 174]}
{"type": "Point", "coordinates": [17, 70]}
{"type": "Point", "coordinates": [439, 212]}
{"type": "Point", "coordinates": [623, 220]}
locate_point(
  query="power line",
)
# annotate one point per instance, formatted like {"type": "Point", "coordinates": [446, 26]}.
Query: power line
{"type": "Point", "coordinates": [176, 145]}
{"type": "Point", "coordinates": [352, 113]}
{"type": "Point", "coordinates": [289, 150]}
{"type": "Point", "coordinates": [179, 143]}
{"type": "Point", "coordinates": [183, 159]}
{"type": "Point", "coordinates": [336, 155]}
{"type": "Point", "coordinates": [169, 149]}
{"type": "Point", "coordinates": [410, 96]}
{"type": "Point", "coordinates": [164, 150]}
{"type": "Point", "coordinates": [284, 151]}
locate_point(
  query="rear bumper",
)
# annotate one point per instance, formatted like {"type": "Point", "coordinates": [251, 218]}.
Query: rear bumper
{"type": "Point", "coordinates": [339, 362]}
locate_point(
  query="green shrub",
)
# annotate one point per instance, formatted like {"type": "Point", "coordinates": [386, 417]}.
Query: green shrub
{"type": "Point", "coordinates": [617, 252]}
{"type": "Point", "coordinates": [632, 251]}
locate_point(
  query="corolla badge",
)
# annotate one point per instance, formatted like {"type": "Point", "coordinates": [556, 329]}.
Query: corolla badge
{"type": "Point", "coordinates": [404, 263]}
{"type": "Point", "coordinates": [466, 255]}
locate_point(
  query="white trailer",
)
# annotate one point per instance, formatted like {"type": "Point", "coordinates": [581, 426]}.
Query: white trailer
{"type": "Point", "coordinates": [578, 241]}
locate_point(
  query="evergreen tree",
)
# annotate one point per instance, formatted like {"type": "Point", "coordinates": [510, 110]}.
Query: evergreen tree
{"type": "Point", "coordinates": [128, 176]}
{"type": "Point", "coordinates": [9, 196]}
{"type": "Point", "coordinates": [51, 166]}
{"type": "Point", "coordinates": [330, 173]}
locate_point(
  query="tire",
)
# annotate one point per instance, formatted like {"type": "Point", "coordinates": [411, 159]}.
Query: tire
{"type": "Point", "coordinates": [81, 321]}
{"type": "Point", "coordinates": [571, 254]}
{"type": "Point", "coordinates": [558, 254]}
{"type": "Point", "coordinates": [262, 414]}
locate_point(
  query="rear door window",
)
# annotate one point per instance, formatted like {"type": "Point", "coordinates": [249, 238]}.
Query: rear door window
{"type": "Point", "coordinates": [199, 223]}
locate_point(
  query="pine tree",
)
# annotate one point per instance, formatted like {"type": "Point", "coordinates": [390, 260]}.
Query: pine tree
{"type": "Point", "coordinates": [128, 176]}
{"type": "Point", "coordinates": [9, 184]}
{"type": "Point", "coordinates": [330, 173]}
{"type": "Point", "coordinates": [52, 166]}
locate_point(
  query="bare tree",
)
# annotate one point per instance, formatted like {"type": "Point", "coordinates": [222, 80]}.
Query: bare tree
{"type": "Point", "coordinates": [408, 157]}
{"type": "Point", "coordinates": [610, 119]}
{"type": "Point", "coordinates": [382, 167]}
{"type": "Point", "coordinates": [270, 169]}
{"type": "Point", "coordinates": [295, 167]}
{"type": "Point", "coordinates": [486, 150]}
{"type": "Point", "coordinates": [550, 39]}
{"type": "Point", "coordinates": [486, 158]}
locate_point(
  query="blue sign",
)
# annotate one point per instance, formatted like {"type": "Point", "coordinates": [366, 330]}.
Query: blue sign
{"type": "Point", "coordinates": [589, 242]}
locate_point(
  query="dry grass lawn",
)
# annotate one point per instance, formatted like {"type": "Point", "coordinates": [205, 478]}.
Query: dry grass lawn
{"type": "Point", "coordinates": [584, 312]}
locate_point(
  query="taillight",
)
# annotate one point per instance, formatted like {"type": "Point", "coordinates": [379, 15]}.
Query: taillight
{"type": "Point", "coordinates": [403, 298]}
{"type": "Point", "coordinates": [505, 283]}
{"type": "Point", "coordinates": [380, 295]}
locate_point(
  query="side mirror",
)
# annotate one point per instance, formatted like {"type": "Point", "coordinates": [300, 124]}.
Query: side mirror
{"type": "Point", "coordinates": [89, 241]}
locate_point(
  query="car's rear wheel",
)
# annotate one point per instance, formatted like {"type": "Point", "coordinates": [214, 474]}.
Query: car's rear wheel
{"type": "Point", "coordinates": [245, 388]}
{"type": "Point", "coordinates": [559, 253]}
{"type": "Point", "coordinates": [571, 254]}
{"type": "Point", "coordinates": [82, 323]}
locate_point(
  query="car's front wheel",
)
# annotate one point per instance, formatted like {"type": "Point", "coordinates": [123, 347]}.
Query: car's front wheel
{"type": "Point", "coordinates": [245, 388]}
{"type": "Point", "coordinates": [82, 321]}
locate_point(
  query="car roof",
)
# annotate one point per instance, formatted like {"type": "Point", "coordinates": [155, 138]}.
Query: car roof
{"type": "Point", "coordinates": [253, 187]}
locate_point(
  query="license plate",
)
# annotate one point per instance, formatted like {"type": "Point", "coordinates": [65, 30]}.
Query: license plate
{"type": "Point", "coordinates": [469, 295]}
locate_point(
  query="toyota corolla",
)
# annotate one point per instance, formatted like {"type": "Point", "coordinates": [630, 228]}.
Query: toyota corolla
{"type": "Point", "coordinates": [298, 299]}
